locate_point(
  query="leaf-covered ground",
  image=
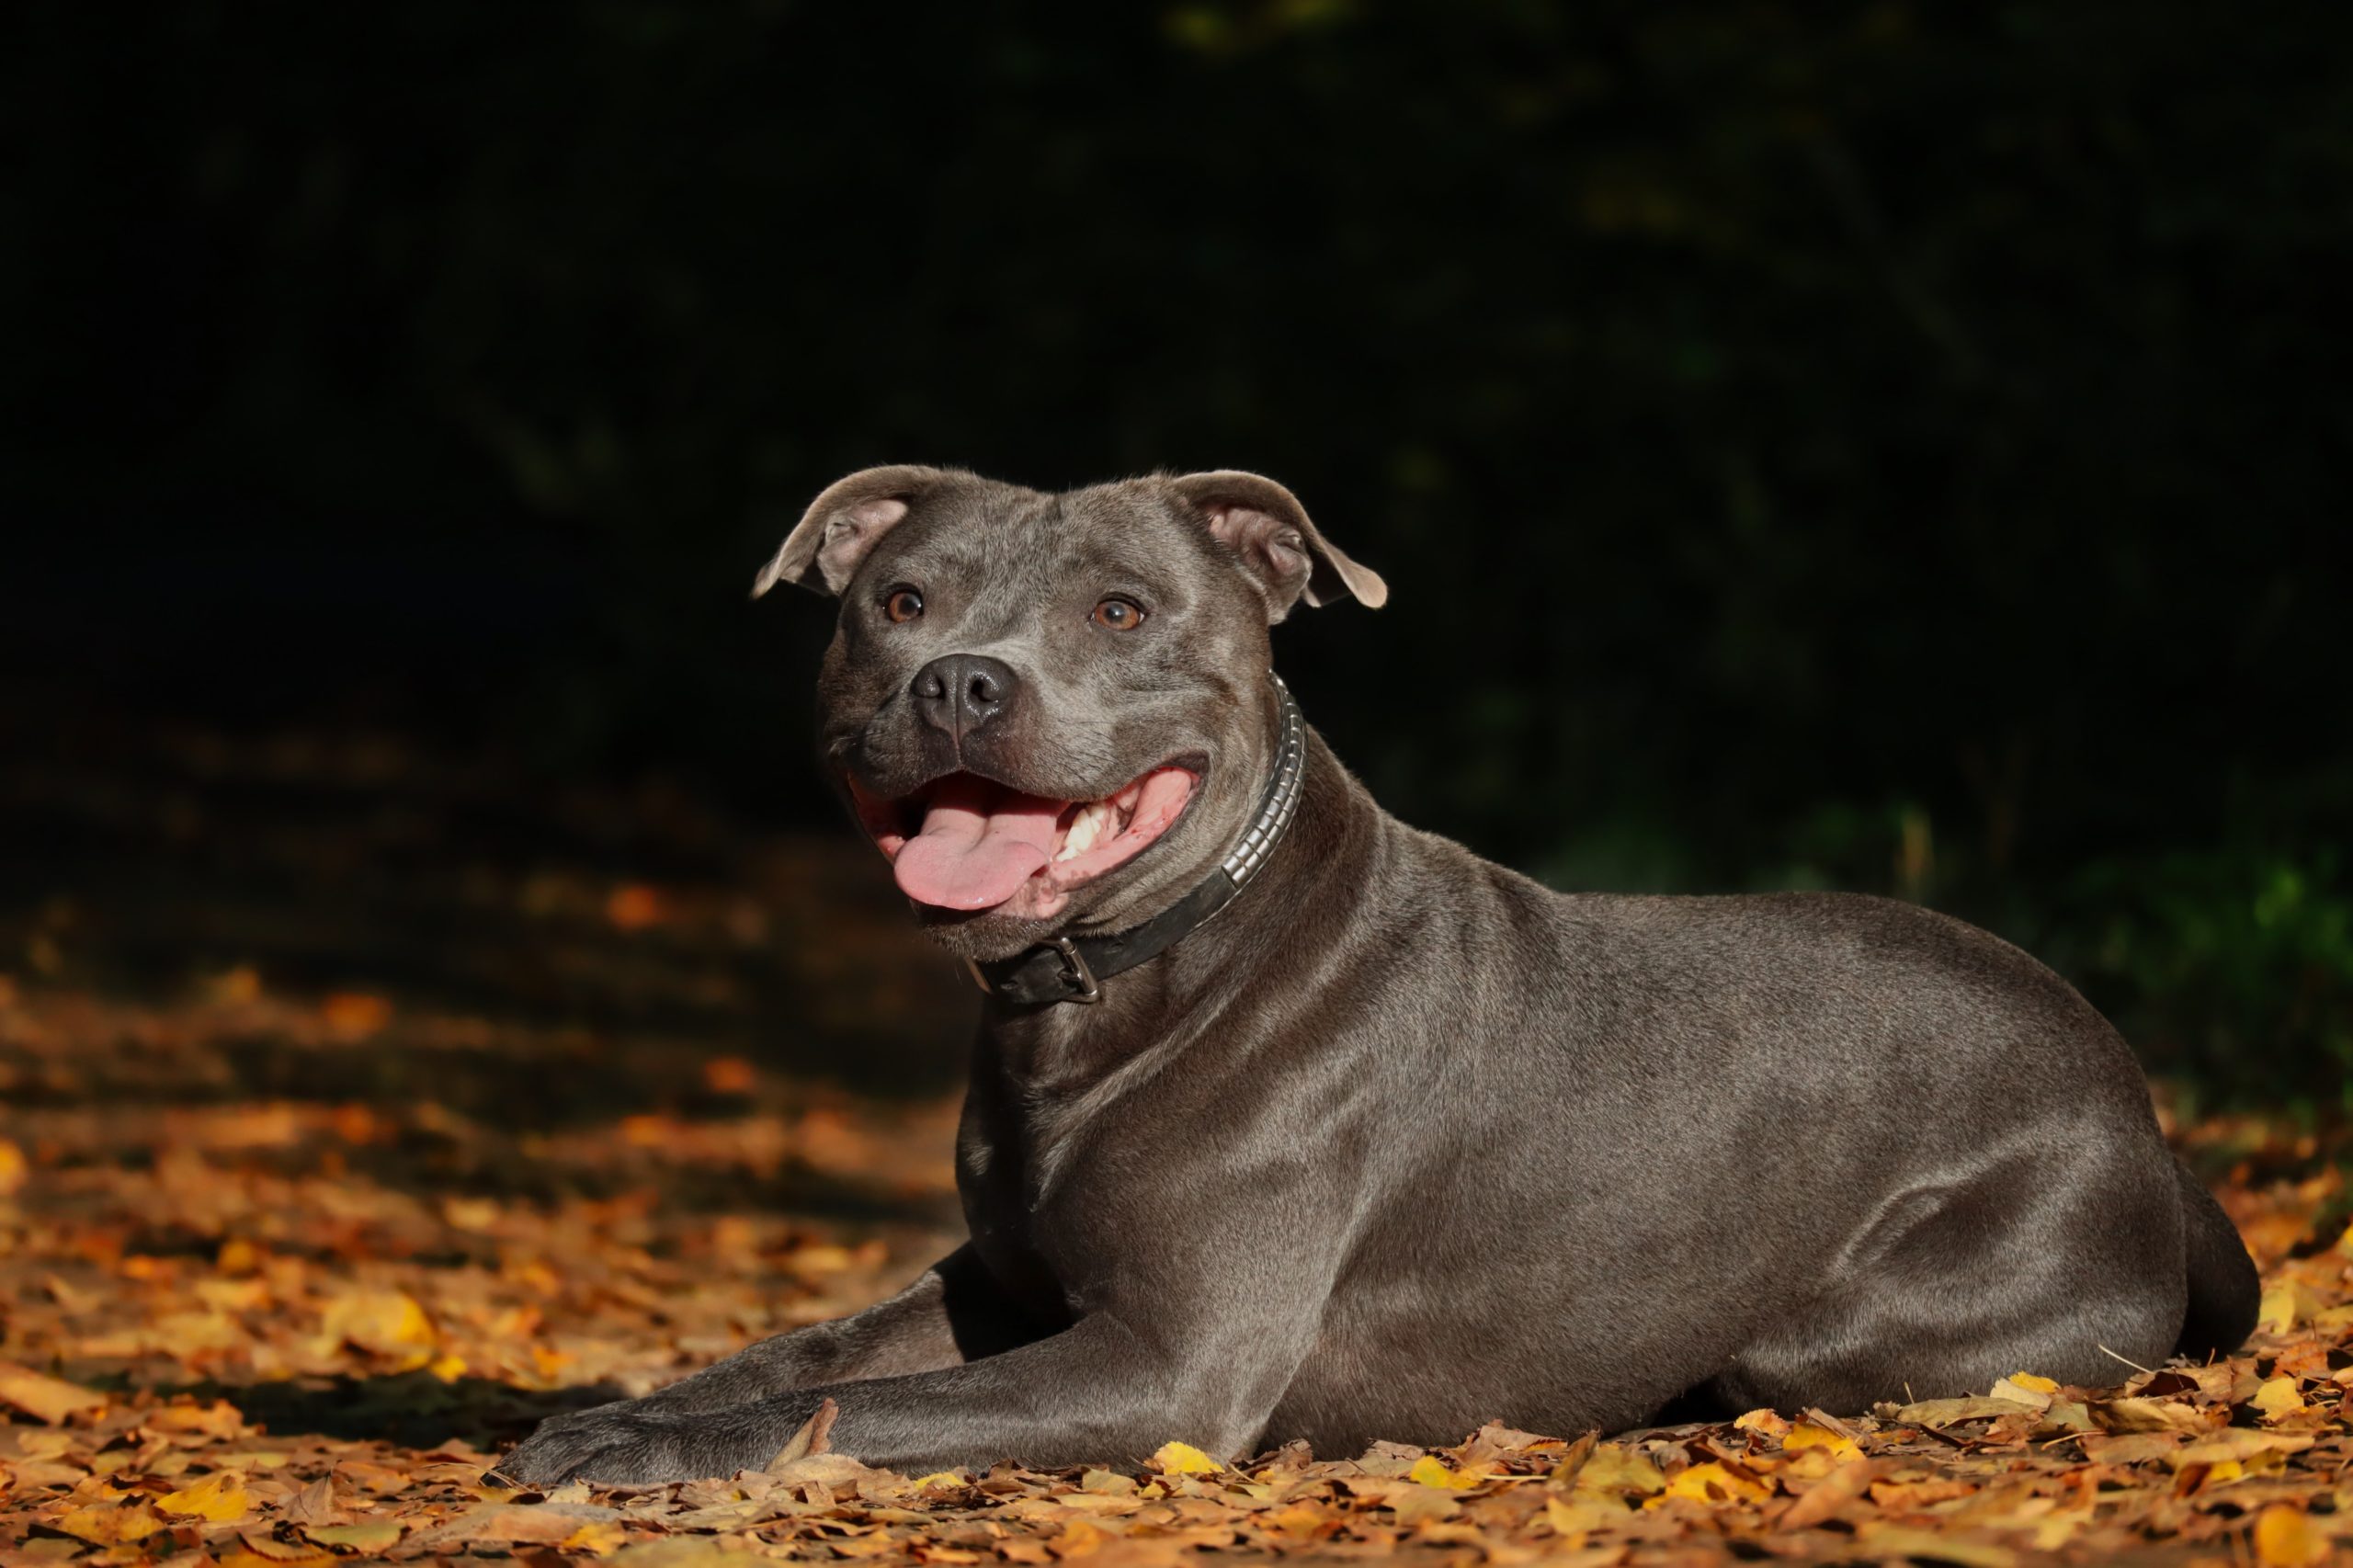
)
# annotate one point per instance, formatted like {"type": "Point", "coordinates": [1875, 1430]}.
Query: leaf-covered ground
{"type": "Point", "coordinates": [349, 1129]}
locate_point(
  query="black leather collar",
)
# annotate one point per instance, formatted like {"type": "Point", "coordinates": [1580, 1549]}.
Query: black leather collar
{"type": "Point", "coordinates": [1071, 969]}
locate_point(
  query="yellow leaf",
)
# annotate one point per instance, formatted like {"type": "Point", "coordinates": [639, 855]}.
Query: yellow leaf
{"type": "Point", "coordinates": [1574, 1516]}
{"type": "Point", "coordinates": [1768, 1422]}
{"type": "Point", "coordinates": [2284, 1538]}
{"type": "Point", "coordinates": [1183, 1458]}
{"type": "Point", "coordinates": [2277, 1398]}
{"type": "Point", "coordinates": [1613, 1468]}
{"type": "Point", "coordinates": [2239, 1444]}
{"type": "Point", "coordinates": [385, 1322]}
{"type": "Point", "coordinates": [2286, 1303]}
{"type": "Point", "coordinates": [12, 1168]}
{"type": "Point", "coordinates": [1713, 1483]}
{"type": "Point", "coordinates": [2026, 1389]}
{"type": "Point", "coordinates": [368, 1539]}
{"type": "Point", "coordinates": [1806, 1434]}
{"type": "Point", "coordinates": [45, 1398]}
{"type": "Point", "coordinates": [1431, 1470]}
{"type": "Point", "coordinates": [219, 1497]}
{"type": "Point", "coordinates": [595, 1538]}
{"type": "Point", "coordinates": [942, 1477]}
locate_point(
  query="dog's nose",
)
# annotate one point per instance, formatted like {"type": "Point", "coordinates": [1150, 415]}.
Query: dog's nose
{"type": "Point", "coordinates": [960, 692]}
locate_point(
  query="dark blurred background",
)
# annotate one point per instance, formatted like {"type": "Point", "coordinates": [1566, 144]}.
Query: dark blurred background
{"type": "Point", "coordinates": [1893, 446]}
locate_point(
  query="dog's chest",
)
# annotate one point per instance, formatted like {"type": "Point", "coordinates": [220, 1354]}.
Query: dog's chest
{"type": "Point", "coordinates": [1022, 1173]}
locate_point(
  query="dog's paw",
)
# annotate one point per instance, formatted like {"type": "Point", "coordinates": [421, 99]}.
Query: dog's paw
{"type": "Point", "coordinates": [631, 1443]}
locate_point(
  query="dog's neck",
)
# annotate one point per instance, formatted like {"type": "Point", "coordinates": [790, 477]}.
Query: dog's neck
{"type": "Point", "coordinates": [1267, 935]}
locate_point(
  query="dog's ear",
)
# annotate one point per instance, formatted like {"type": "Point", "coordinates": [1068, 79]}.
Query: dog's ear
{"type": "Point", "coordinates": [1265, 525]}
{"type": "Point", "coordinates": [843, 525]}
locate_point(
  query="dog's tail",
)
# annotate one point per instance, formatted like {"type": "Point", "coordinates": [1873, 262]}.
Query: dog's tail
{"type": "Point", "coordinates": [2224, 1294]}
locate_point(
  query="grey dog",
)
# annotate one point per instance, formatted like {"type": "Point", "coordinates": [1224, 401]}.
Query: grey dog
{"type": "Point", "coordinates": [1288, 1120]}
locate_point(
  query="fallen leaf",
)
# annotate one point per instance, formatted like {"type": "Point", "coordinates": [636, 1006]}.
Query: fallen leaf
{"type": "Point", "coordinates": [2278, 1398]}
{"type": "Point", "coordinates": [13, 1169]}
{"type": "Point", "coordinates": [1943, 1413]}
{"type": "Point", "coordinates": [1615, 1469]}
{"type": "Point", "coordinates": [367, 1538]}
{"type": "Point", "coordinates": [2027, 1388]}
{"type": "Point", "coordinates": [1828, 1497]}
{"type": "Point", "coordinates": [2286, 1303]}
{"type": "Point", "coordinates": [1431, 1470]}
{"type": "Point", "coordinates": [113, 1524]}
{"type": "Point", "coordinates": [220, 1498]}
{"type": "Point", "coordinates": [1183, 1458]}
{"type": "Point", "coordinates": [1806, 1434]}
{"type": "Point", "coordinates": [812, 1438]}
{"type": "Point", "coordinates": [595, 1538]}
{"type": "Point", "coordinates": [2284, 1538]}
{"type": "Point", "coordinates": [388, 1322]}
{"type": "Point", "coordinates": [2136, 1415]}
{"type": "Point", "coordinates": [1715, 1482]}
{"type": "Point", "coordinates": [45, 1398]}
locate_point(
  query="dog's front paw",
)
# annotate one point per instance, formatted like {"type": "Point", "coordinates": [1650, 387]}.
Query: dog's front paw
{"type": "Point", "coordinates": [633, 1443]}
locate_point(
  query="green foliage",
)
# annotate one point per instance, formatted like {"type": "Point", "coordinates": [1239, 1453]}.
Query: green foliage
{"type": "Point", "coordinates": [2235, 968]}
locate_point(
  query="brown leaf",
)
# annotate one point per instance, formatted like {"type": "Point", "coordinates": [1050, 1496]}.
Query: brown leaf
{"type": "Point", "coordinates": [113, 1524]}
{"type": "Point", "coordinates": [1951, 1411]}
{"type": "Point", "coordinates": [812, 1438]}
{"type": "Point", "coordinates": [314, 1505]}
{"type": "Point", "coordinates": [2139, 1415]}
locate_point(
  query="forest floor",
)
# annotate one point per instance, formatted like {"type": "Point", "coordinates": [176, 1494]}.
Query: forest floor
{"type": "Point", "coordinates": [349, 1127]}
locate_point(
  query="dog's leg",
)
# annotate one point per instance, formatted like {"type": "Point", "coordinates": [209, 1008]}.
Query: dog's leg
{"type": "Point", "coordinates": [1108, 1390]}
{"type": "Point", "coordinates": [954, 1313]}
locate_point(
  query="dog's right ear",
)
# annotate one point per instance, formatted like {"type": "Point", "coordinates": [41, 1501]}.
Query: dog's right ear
{"type": "Point", "coordinates": [843, 525]}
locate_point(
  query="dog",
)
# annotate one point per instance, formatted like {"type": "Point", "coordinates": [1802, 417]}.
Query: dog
{"type": "Point", "coordinates": [1290, 1121]}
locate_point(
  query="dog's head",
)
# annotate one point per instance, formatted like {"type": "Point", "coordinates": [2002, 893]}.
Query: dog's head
{"type": "Point", "coordinates": [1053, 712]}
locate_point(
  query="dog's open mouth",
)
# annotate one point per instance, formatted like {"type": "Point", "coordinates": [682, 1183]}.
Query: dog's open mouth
{"type": "Point", "coordinates": [966, 842]}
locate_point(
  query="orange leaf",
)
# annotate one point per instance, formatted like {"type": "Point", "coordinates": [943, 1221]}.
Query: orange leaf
{"type": "Point", "coordinates": [45, 1398]}
{"type": "Point", "coordinates": [2284, 1538]}
{"type": "Point", "coordinates": [112, 1524]}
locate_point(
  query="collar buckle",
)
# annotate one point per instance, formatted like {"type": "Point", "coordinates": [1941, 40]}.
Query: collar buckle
{"type": "Point", "coordinates": [1075, 974]}
{"type": "Point", "coordinates": [1077, 979]}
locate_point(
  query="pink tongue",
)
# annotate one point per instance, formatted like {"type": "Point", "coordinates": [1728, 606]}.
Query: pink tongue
{"type": "Point", "coordinates": [978, 844]}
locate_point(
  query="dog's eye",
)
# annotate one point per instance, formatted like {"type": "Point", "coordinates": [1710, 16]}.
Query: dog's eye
{"type": "Point", "coordinates": [902, 605]}
{"type": "Point", "coordinates": [1118, 615]}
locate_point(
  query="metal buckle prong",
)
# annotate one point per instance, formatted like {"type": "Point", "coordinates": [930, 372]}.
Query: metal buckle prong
{"type": "Point", "coordinates": [1075, 970]}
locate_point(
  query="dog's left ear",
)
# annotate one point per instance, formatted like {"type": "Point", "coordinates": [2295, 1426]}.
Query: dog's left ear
{"type": "Point", "coordinates": [843, 525]}
{"type": "Point", "coordinates": [1265, 525]}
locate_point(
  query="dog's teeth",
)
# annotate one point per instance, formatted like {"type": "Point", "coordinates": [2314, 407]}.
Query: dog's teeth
{"type": "Point", "coordinates": [1083, 831]}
